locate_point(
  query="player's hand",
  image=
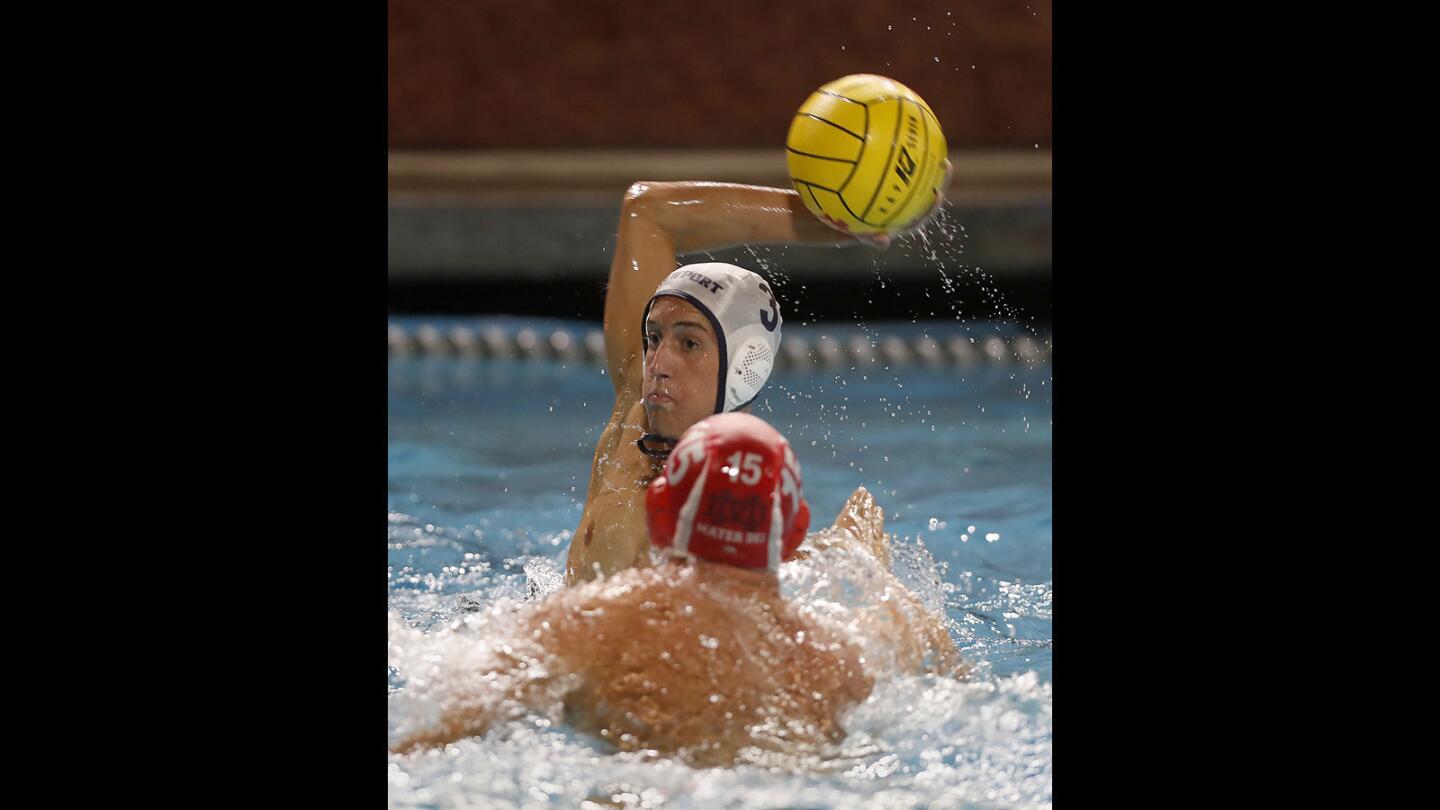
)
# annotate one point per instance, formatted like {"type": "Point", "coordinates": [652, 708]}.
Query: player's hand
{"type": "Point", "coordinates": [883, 240]}
{"type": "Point", "coordinates": [875, 240]}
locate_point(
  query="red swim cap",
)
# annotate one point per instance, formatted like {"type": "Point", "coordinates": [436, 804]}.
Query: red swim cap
{"type": "Point", "coordinates": [730, 493]}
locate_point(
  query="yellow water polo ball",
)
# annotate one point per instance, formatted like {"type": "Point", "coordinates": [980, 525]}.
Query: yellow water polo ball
{"type": "Point", "coordinates": [866, 154]}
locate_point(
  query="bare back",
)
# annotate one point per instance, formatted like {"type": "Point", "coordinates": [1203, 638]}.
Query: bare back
{"type": "Point", "coordinates": [700, 659]}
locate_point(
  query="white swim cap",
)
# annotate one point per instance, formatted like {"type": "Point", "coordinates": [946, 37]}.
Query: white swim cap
{"type": "Point", "coordinates": [746, 319]}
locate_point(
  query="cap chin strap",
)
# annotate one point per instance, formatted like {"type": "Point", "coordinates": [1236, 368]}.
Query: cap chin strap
{"type": "Point", "coordinates": [656, 438]}
{"type": "Point", "coordinates": [655, 452]}
{"type": "Point", "coordinates": [777, 533]}
{"type": "Point", "coordinates": [686, 520]}
{"type": "Point", "coordinates": [743, 405]}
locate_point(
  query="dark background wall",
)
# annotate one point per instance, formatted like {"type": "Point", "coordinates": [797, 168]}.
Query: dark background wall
{"type": "Point", "coordinates": [484, 74]}
{"type": "Point", "coordinates": [515, 127]}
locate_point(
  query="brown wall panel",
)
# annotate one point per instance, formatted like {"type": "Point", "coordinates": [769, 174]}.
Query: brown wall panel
{"type": "Point", "coordinates": [531, 74]}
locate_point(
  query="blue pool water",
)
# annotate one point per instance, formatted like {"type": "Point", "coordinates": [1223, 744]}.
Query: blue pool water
{"type": "Point", "coordinates": [488, 463]}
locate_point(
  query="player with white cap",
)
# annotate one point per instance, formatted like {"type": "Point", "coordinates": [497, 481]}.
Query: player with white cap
{"type": "Point", "coordinates": [681, 344]}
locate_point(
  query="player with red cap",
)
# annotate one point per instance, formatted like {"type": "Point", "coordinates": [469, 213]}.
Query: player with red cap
{"type": "Point", "coordinates": [730, 493]}
{"type": "Point", "coordinates": [703, 656]}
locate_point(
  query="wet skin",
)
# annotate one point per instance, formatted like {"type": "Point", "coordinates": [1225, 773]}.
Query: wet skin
{"type": "Point", "coordinates": [700, 659]}
{"type": "Point", "coordinates": [681, 371]}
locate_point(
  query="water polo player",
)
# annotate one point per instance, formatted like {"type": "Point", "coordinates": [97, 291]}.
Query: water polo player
{"type": "Point", "coordinates": [681, 344]}
{"type": "Point", "coordinates": [700, 656]}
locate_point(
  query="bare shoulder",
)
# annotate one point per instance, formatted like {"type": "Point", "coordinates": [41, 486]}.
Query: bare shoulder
{"type": "Point", "coordinates": [832, 665]}
{"type": "Point", "coordinates": [618, 591]}
{"type": "Point", "coordinates": [578, 616]}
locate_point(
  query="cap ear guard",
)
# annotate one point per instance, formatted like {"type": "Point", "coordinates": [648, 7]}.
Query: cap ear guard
{"type": "Point", "coordinates": [752, 366]}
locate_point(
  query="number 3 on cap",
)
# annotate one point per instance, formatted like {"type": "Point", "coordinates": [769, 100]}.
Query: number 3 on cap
{"type": "Point", "coordinates": [770, 319]}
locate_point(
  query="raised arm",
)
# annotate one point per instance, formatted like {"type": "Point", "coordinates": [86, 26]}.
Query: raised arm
{"type": "Point", "coordinates": [659, 221]}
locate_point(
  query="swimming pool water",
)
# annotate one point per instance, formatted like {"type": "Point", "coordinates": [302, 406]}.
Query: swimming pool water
{"type": "Point", "coordinates": [488, 463]}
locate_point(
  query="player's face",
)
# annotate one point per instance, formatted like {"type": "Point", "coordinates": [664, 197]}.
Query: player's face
{"type": "Point", "coordinates": [682, 366]}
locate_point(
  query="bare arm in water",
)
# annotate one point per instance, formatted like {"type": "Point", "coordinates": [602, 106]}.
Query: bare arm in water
{"type": "Point", "coordinates": [518, 684]}
{"type": "Point", "coordinates": [921, 640]}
